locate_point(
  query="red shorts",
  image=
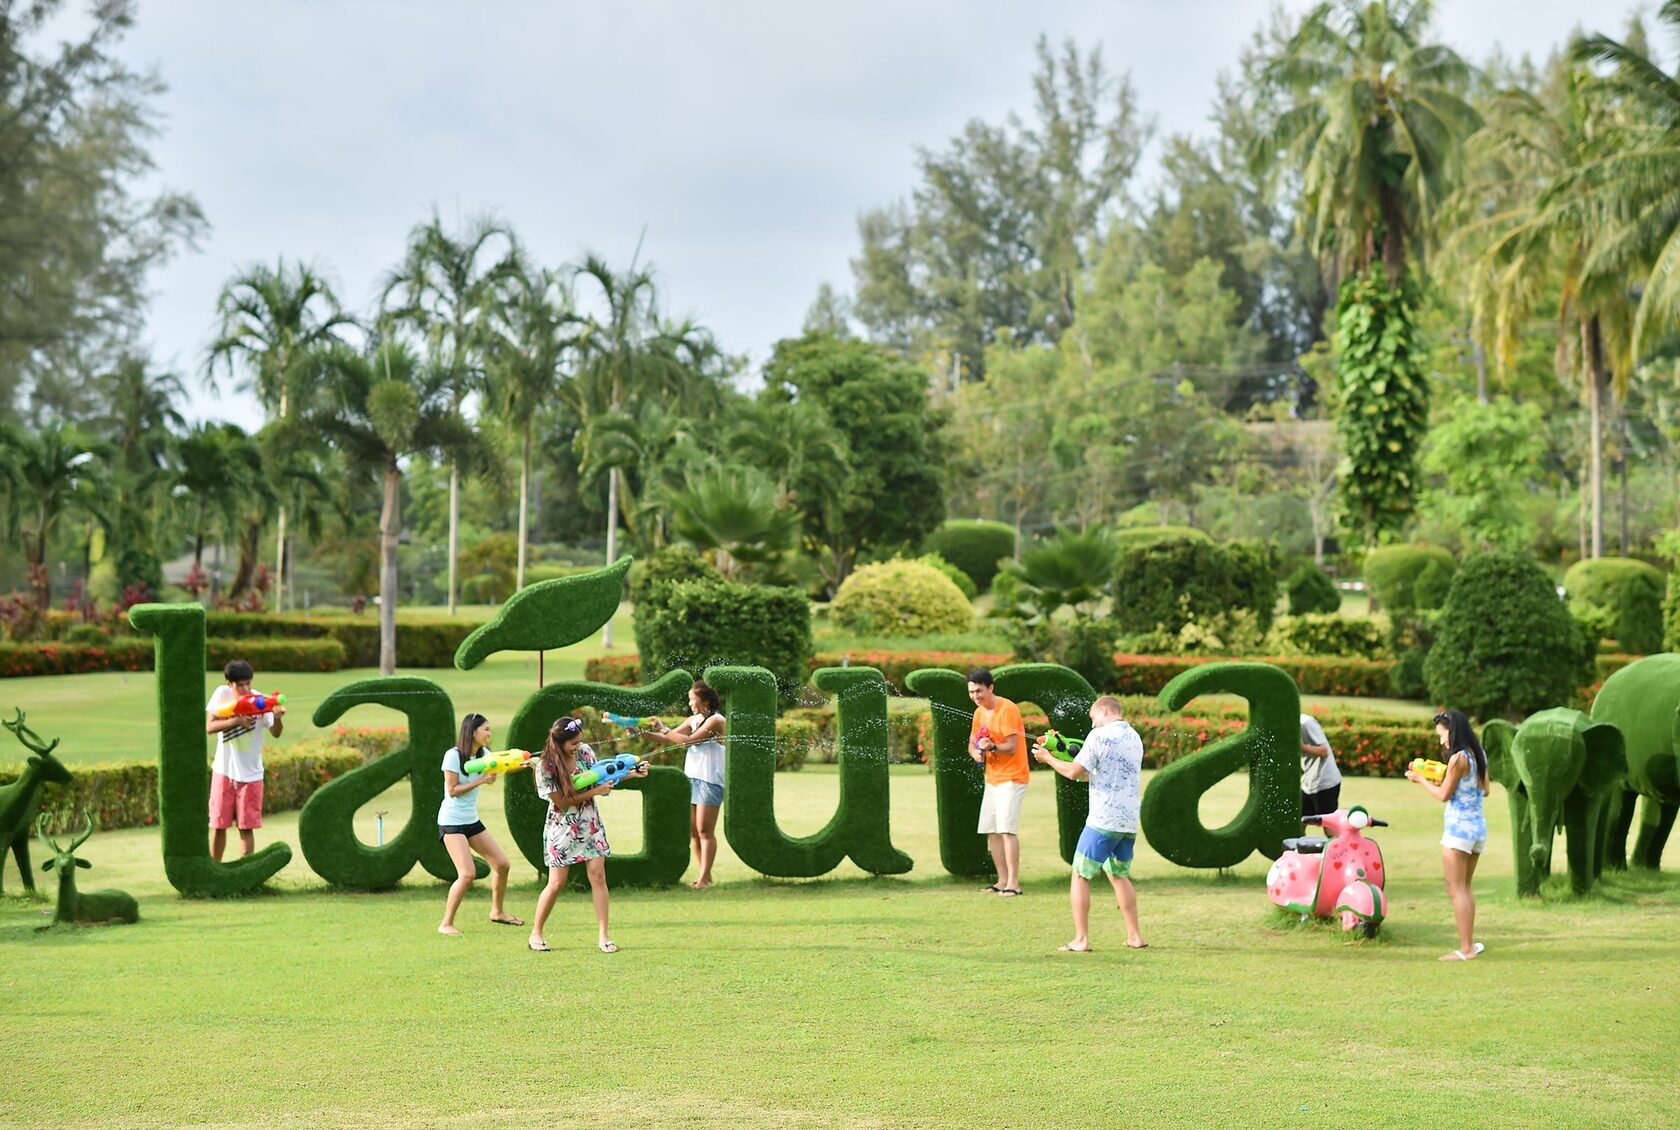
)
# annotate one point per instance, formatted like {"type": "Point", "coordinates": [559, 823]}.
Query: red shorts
{"type": "Point", "coordinates": [232, 800]}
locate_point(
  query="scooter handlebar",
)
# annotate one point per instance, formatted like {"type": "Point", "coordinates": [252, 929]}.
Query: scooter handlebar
{"type": "Point", "coordinates": [1375, 823]}
{"type": "Point", "coordinates": [1312, 820]}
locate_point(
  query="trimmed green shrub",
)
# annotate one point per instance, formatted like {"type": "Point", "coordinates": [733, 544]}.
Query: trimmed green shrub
{"type": "Point", "coordinates": [959, 578]}
{"type": "Point", "coordinates": [1127, 536]}
{"type": "Point", "coordinates": [326, 828]}
{"type": "Point", "coordinates": [901, 598]}
{"type": "Point", "coordinates": [1268, 748]}
{"type": "Point", "coordinates": [1641, 700]}
{"type": "Point", "coordinates": [1392, 573]}
{"type": "Point", "coordinates": [860, 733]}
{"type": "Point", "coordinates": [1164, 585]}
{"type": "Point", "coordinates": [1671, 613]}
{"type": "Point", "coordinates": [1356, 636]}
{"type": "Point", "coordinates": [420, 643]}
{"type": "Point", "coordinates": [1310, 590]}
{"type": "Point", "coordinates": [665, 814]}
{"type": "Point", "coordinates": [184, 768]}
{"type": "Point", "coordinates": [1639, 615]}
{"type": "Point", "coordinates": [276, 655]}
{"type": "Point", "coordinates": [1429, 591]}
{"type": "Point", "coordinates": [975, 547]}
{"type": "Point", "coordinates": [1504, 643]}
{"type": "Point", "coordinates": [700, 624]}
{"type": "Point", "coordinates": [1599, 580]}
{"type": "Point", "coordinates": [19, 660]}
{"type": "Point", "coordinates": [1084, 644]}
{"type": "Point", "coordinates": [549, 615]}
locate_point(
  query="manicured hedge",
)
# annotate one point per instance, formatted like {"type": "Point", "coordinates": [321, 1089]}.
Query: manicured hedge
{"type": "Point", "coordinates": [425, 643]}
{"type": "Point", "coordinates": [17, 660]}
{"type": "Point", "coordinates": [1137, 674]}
{"type": "Point", "coordinates": [1162, 585]}
{"type": "Point", "coordinates": [975, 547]}
{"type": "Point", "coordinates": [124, 794]}
{"type": "Point", "coordinates": [700, 624]}
{"type": "Point", "coordinates": [1392, 573]}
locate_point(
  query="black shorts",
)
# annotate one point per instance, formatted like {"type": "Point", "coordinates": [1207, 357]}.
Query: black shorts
{"type": "Point", "coordinates": [1322, 802]}
{"type": "Point", "coordinates": [467, 830]}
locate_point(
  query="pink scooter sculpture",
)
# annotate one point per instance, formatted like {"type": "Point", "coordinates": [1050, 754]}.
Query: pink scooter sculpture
{"type": "Point", "coordinates": [1321, 878]}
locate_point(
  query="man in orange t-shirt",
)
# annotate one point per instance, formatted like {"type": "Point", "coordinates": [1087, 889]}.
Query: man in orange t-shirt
{"type": "Point", "coordinates": [997, 740]}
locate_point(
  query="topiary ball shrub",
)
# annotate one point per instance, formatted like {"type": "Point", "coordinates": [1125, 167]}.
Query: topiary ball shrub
{"type": "Point", "coordinates": [1597, 589]}
{"type": "Point", "coordinates": [959, 578]}
{"type": "Point", "coordinates": [699, 624]}
{"type": "Point", "coordinates": [1430, 590]}
{"type": "Point", "coordinates": [1392, 573]}
{"type": "Point", "coordinates": [1505, 645]}
{"type": "Point", "coordinates": [1310, 590]}
{"type": "Point", "coordinates": [1639, 615]}
{"type": "Point", "coordinates": [901, 598]}
{"type": "Point", "coordinates": [973, 546]}
{"type": "Point", "coordinates": [1166, 584]}
{"type": "Point", "coordinates": [1155, 535]}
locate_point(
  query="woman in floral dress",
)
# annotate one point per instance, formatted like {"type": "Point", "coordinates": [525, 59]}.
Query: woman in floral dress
{"type": "Point", "coordinates": [1464, 827]}
{"type": "Point", "coordinates": [573, 833]}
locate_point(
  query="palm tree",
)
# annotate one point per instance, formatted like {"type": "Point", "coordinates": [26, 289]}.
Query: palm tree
{"type": "Point", "coordinates": [792, 442]}
{"type": "Point", "coordinates": [1527, 233]}
{"type": "Point", "coordinates": [732, 512]}
{"type": "Point", "coordinates": [653, 453]}
{"type": "Point", "coordinates": [378, 408]}
{"type": "Point", "coordinates": [446, 287]}
{"type": "Point", "coordinates": [55, 471]}
{"type": "Point", "coordinates": [140, 422]}
{"type": "Point", "coordinates": [1376, 128]}
{"type": "Point", "coordinates": [214, 472]}
{"type": "Point", "coordinates": [628, 354]}
{"type": "Point", "coordinates": [1072, 568]}
{"type": "Point", "coordinates": [271, 322]}
{"type": "Point", "coordinates": [533, 335]}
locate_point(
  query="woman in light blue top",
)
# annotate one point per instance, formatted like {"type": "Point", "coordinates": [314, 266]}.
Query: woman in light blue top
{"type": "Point", "coordinates": [463, 833]}
{"type": "Point", "coordinates": [702, 733]}
{"type": "Point", "coordinates": [1465, 827]}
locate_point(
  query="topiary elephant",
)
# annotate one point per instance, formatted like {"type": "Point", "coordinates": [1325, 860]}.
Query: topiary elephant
{"type": "Point", "coordinates": [1560, 769]}
{"type": "Point", "coordinates": [1643, 701]}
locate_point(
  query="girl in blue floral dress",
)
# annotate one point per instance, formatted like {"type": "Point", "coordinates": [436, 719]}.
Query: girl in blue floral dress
{"type": "Point", "coordinates": [573, 832]}
{"type": "Point", "coordinates": [1464, 826]}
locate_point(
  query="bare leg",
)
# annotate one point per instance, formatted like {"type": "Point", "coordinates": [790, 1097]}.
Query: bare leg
{"type": "Point", "coordinates": [461, 855]}
{"type": "Point", "coordinates": [994, 841]}
{"type": "Point", "coordinates": [1011, 860]}
{"type": "Point", "coordinates": [218, 843]}
{"type": "Point", "coordinates": [545, 903]}
{"type": "Point", "coordinates": [706, 816]}
{"type": "Point", "coordinates": [1457, 866]}
{"type": "Point", "coordinates": [596, 869]}
{"type": "Point", "coordinates": [694, 840]}
{"type": "Point", "coordinates": [1125, 897]}
{"type": "Point", "coordinates": [1079, 898]}
{"type": "Point", "coordinates": [485, 844]}
{"type": "Point", "coordinates": [247, 841]}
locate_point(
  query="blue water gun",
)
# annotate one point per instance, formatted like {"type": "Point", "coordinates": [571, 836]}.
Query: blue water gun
{"type": "Point", "coordinates": [625, 722]}
{"type": "Point", "coordinates": [607, 771]}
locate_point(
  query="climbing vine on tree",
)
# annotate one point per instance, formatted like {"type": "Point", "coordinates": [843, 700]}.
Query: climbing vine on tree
{"type": "Point", "coordinates": [1384, 404]}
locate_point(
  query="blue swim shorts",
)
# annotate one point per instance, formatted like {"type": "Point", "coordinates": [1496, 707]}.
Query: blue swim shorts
{"type": "Point", "coordinates": [1100, 850]}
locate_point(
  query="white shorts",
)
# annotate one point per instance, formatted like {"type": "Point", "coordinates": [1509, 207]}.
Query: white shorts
{"type": "Point", "coordinates": [1000, 807]}
{"type": "Point", "coordinates": [1457, 843]}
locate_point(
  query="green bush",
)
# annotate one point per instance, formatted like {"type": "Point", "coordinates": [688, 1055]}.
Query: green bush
{"type": "Point", "coordinates": [87, 634]}
{"type": "Point", "coordinates": [901, 598]}
{"type": "Point", "coordinates": [1084, 644]}
{"type": "Point", "coordinates": [1618, 598]}
{"type": "Point", "coordinates": [1310, 590]}
{"type": "Point", "coordinates": [1392, 573]}
{"type": "Point", "coordinates": [420, 643]}
{"type": "Point", "coordinates": [1330, 635]}
{"type": "Point", "coordinates": [975, 547]}
{"type": "Point", "coordinates": [276, 655]}
{"type": "Point", "coordinates": [698, 624]}
{"type": "Point", "coordinates": [1429, 591]}
{"type": "Point", "coordinates": [1599, 580]}
{"type": "Point", "coordinates": [959, 578]}
{"type": "Point", "coordinates": [1639, 611]}
{"type": "Point", "coordinates": [1156, 535]}
{"type": "Point", "coordinates": [1165, 584]}
{"type": "Point", "coordinates": [1671, 613]}
{"type": "Point", "coordinates": [1505, 645]}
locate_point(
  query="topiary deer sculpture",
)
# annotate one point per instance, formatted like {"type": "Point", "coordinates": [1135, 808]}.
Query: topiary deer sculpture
{"type": "Point", "coordinates": [75, 908]}
{"type": "Point", "coordinates": [21, 800]}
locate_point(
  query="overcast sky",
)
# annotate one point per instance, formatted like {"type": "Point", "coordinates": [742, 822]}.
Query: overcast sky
{"type": "Point", "coordinates": [744, 136]}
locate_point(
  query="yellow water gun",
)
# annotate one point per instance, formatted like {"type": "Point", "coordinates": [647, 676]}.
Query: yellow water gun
{"type": "Point", "coordinates": [504, 762]}
{"type": "Point", "coordinates": [1432, 771]}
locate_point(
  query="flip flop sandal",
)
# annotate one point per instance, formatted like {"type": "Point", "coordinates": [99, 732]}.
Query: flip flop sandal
{"type": "Point", "coordinates": [609, 947]}
{"type": "Point", "coordinates": [993, 889]}
{"type": "Point", "coordinates": [508, 921]}
{"type": "Point", "coordinates": [535, 948]}
{"type": "Point", "coordinates": [1008, 892]}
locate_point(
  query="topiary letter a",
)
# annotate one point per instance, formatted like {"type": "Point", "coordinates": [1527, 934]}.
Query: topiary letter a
{"type": "Point", "coordinates": [1170, 813]}
{"type": "Point", "coordinates": [183, 770]}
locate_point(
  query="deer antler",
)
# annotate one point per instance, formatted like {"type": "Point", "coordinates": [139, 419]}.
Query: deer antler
{"type": "Point", "coordinates": [30, 739]}
{"type": "Point", "coordinates": [41, 830]}
{"type": "Point", "coordinates": [82, 839]}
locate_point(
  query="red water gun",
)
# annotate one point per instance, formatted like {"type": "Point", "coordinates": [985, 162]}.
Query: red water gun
{"type": "Point", "coordinates": [253, 703]}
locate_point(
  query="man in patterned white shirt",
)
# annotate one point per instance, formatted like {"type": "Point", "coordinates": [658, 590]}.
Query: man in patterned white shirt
{"type": "Point", "coordinates": [1112, 758]}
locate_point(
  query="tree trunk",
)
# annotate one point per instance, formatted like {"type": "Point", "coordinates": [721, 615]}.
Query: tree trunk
{"type": "Point", "coordinates": [280, 563]}
{"type": "Point", "coordinates": [612, 539]}
{"type": "Point", "coordinates": [454, 527]}
{"type": "Point", "coordinates": [1479, 356]}
{"type": "Point", "coordinates": [388, 572]}
{"type": "Point", "coordinates": [1595, 417]}
{"type": "Point", "coordinates": [524, 502]}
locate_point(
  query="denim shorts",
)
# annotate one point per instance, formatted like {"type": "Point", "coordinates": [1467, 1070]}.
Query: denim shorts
{"type": "Point", "coordinates": [467, 830]}
{"type": "Point", "coordinates": [704, 792]}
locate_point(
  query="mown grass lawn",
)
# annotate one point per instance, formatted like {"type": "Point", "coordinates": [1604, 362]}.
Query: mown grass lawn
{"type": "Point", "coordinates": [848, 1001]}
